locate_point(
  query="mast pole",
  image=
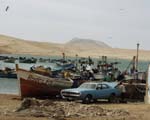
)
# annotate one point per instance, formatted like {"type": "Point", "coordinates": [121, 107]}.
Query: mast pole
{"type": "Point", "coordinates": [137, 56]}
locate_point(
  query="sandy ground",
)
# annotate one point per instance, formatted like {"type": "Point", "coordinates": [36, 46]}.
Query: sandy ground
{"type": "Point", "coordinates": [95, 111]}
{"type": "Point", "coordinates": [9, 103]}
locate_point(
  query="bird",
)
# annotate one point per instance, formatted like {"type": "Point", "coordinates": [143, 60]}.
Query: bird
{"type": "Point", "coordinates": [7, 8]}
{"type": "Point", "coordinates": [121, 9]}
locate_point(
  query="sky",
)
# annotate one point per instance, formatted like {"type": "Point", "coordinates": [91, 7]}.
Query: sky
{"type": "Point", "coordinates": [118, 23]}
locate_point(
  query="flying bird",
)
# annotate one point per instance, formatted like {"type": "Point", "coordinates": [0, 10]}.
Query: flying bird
{"type": "Point", "coordinates": [121, 9]}
{"type": "Point", "coordinates": [7, 8]}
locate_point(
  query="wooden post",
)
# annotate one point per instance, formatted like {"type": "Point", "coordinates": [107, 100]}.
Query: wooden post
{"type": "Point", "coordinates": [18, 80]}
{"type": "Point", "coordinates": [17, 67]}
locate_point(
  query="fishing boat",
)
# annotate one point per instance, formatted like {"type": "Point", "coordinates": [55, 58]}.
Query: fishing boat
{"type": "Point", "coordinates": [8, 73]}
{"type": "Point", "coordinates": [27, 60]}
{"type": "Point", "coordinates": [41, 70]}
{"type": "Point", "coordinates": [36, 85]}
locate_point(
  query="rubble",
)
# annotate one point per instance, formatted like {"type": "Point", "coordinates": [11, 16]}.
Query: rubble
{"type": "Point", "coordinates": [62, 109]}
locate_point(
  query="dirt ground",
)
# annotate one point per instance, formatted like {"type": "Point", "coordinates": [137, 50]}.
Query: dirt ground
{"type": "Point", "coordinates": [12, 108]}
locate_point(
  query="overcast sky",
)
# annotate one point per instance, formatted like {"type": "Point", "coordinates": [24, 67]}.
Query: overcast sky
{"type": "Point", "coordinates": [119, 23]}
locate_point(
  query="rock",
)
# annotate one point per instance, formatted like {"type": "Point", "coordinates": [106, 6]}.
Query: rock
{"type": "Point", "coordinates": [47, 103]}
{"type": "Point", "coordinates": [26, 103]}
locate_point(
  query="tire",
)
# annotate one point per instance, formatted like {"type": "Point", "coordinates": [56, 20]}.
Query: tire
{"type": "Point", "coordinates": [113, 99]}
{"type": "Point", "coordinates": [87, 99]}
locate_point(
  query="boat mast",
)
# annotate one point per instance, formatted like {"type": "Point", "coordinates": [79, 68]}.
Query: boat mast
{"type": "Point", "coordinates": [137, 56]}
{"type": "Point", "coordinates": [64, 57]}
{"type": "Point", "coordinates": [76, 61]}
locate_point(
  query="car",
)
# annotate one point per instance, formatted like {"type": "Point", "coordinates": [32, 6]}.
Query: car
{"type": "Point", "coordinates": [91, 91]}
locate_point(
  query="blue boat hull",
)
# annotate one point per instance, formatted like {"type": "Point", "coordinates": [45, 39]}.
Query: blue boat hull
{"type": "Point", "coordinates": [8, 75]}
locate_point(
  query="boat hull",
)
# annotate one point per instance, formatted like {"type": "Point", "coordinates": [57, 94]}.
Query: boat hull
{"type": "Point", "coordinates": [36, 85]}
{"type": "Point", "coordinates": [2, 75]}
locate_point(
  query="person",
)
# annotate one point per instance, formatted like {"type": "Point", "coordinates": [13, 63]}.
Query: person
{"type": "Point", "coordinates": [122, 89]}
{"type": "Point", "coordinates": [32, 68]}
{"type": "Point", "coordinates": [108, 78]}
{"type": "Point", "coordinates": [121, 76]}
{"type": "Point", "coordinates": [136, 74]}
{"type": "Point", "coordinates": [75, 84]}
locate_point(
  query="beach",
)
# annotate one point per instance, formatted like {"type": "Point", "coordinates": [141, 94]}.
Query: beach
{"type": "Point", "coordinates": [12, 107]}
{"type": "Point", "coordinates": [9, 104]}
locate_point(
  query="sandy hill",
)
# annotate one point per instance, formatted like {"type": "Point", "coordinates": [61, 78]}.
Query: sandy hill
{"type": "Point", "coordinates": [82, 47]}
{"type": "Point", "coordinates": [85, 44]}
{"type": "Point", "coordinates": [13, 45]}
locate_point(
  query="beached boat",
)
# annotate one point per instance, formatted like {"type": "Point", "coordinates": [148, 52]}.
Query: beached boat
{"type": "Point", "coordinates": [35, 85]}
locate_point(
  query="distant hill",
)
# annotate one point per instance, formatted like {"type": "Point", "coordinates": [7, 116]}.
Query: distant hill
{"type": "Point", "coordinates": [13, 45]}
{"type": "Point", "coordinates": [86, 44]}
{"type": "Point", "coordinates": [82, 47]}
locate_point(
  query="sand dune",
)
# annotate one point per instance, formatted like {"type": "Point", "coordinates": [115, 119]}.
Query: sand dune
{"type": "Point", "coordinates": [81, 47]}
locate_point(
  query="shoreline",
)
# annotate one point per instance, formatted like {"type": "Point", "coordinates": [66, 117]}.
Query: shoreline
{"type": "Point", "coordinates": [80, 56]}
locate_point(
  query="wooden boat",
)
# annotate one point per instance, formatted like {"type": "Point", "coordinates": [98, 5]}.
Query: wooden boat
{"type": "Point", "coordinates": [27, 60]}
{"type": "Point", "coordinates": [41, 70]}
{"type": "Point", "coordinates": [35, 85]}
{"type": "Point", "coordinates": [8, 73]}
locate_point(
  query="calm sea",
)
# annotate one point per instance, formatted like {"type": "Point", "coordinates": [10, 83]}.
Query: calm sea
{"type": "Point", "coordinates": [10, 86]}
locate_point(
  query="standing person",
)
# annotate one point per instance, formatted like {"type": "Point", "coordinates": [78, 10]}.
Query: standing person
{"type": "Point", "coordinates": [136, 74]}
{"type": "Point", "coordinates": [121, 76]}
{"type": "Point", "coordinates": [122, 89]}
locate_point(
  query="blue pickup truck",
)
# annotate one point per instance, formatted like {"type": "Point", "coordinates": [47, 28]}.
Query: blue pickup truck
{"type": "Point", "coordinates": [91, 91]}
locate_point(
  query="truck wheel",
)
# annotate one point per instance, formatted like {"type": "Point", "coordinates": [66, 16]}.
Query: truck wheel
{"type": "Point", "coordinates": [87, 99]}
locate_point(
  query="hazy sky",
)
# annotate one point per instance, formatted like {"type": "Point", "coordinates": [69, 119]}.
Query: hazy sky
{"type": "Point", "coordinates": [119, 23]}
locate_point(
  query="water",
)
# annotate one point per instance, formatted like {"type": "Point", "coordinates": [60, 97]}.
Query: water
{"type": "Point", "coordinates": [10, 86]}
{"type": "Point", "coordinates": [142, 66]}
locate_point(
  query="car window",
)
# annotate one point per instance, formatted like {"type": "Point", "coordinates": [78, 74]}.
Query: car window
{"type": "Point", "coordinates": [99, 86]}
{"type": "Point", "coordinates": [88, 86]}
{"type": "Point", "coordinates": [104, 86]}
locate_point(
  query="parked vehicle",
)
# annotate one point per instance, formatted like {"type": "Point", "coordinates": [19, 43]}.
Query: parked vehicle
{"type": "Point", "coordinates": [91, 91]}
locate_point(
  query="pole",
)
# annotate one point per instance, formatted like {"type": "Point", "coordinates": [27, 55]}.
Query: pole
{"type": "Point", "coordinates": [76, 61]}
{"type": "Point", "coordinates": [137, 57]}
{"type": "Point", "coordinates": [137, 61]}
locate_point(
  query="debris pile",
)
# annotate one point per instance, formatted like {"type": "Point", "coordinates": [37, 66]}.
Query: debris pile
{"type": "Point", "coordinates": [61, 109]}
